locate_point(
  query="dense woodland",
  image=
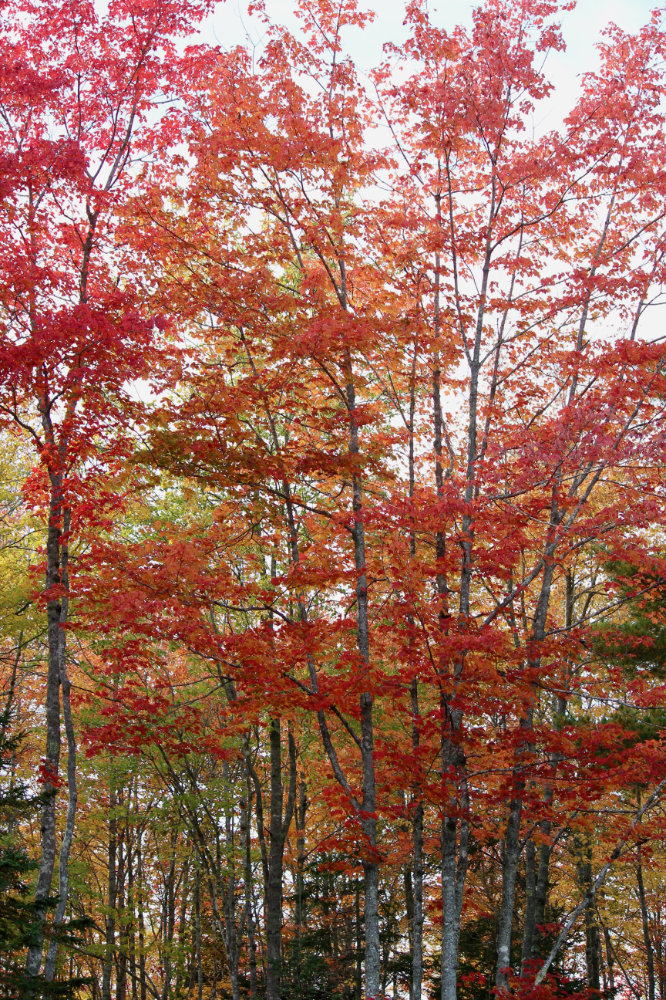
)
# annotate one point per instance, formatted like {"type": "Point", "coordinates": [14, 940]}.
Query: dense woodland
{"type": "Point", "coordinates": [332, 509]}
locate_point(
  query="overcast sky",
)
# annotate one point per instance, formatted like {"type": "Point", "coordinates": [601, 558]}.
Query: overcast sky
{"type": "Point", "coordinates": [231, 25]}
{"type": "Point", "coordinates": [581, 27]}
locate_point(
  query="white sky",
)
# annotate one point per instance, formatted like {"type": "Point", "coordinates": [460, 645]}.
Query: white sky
{"type": "Point", "coordinates": [231, 25]}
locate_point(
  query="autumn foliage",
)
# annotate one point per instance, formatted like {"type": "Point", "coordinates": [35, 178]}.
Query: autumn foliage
{"type": "Point", "coordinates": [337, 403]}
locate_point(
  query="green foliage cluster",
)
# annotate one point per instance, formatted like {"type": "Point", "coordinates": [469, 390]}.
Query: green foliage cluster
{"type": "Point", "coordinates": [19, 923]}
{"type": "Point", "coordinates": [19, 926]}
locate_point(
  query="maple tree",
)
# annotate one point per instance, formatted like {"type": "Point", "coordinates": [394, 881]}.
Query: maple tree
{"type": "Point", "coordinates": [515, 478]}
{"type": "Point", "coordinates": [77, 92]}
{"type": "Point", "coordinates": [351, 719]}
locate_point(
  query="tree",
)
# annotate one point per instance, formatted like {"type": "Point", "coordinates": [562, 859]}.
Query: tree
{"type": "Point", "coordinates": [77, 98]}
{"type": "Point", "coordinates": [18, 925]}
{"type": "Point", "coordinates": [20, 917]}
{"type": "Point", "coordinates": [286, 366]}
{"type": "Point", "coordinates": [406, 407]}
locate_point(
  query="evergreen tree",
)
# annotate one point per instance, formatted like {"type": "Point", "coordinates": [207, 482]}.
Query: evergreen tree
{"type": "Point", "coordinates": [19, 923]}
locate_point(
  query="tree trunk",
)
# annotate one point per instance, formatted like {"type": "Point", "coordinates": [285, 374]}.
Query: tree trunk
{"type": "Point", "coordinates": [197, 935]}
{"type": "Point", "coordinates": [274, 881]}
{"type": "Point", "coordinates": [529, 921]}
{"type": "Point", "coordinates": [72, 797]}
{"type": "Point", "coordinates": [454, 841]}
{"type": "Point", "coordinates": [609, 957]}
{"type": "Point", "coordinates": [110, 935]}
{"type": "Point", "coordinates": [649, 951]}
{"type": "Point", "coordinates": [584, 871]}
{"type": "Point", "coordinates": [184, 935]}
{"type": "Point", "coordinates": [279, 827]}
{"type": "Point", "coordinates": [169, 920]}
{"type": "Point", "coordinates": [131, 907]}
{"type": "Point", "coordinates": [246, 814]}
{"type": "Point", "coordinates": [143, 983]}
{"type": "Point", "coordinates": [368, 814]}
{"type": "Point", "coordinates": [518, 775]}
{"type": "Point", "coordinates": [51, 759]}
{"type": "Point", "coordinates": [300, 910]}
{"type": "Point", "coordinates": [510, 857]}
{"type": "Point", "coordinates": [536, 889]}
{"type": "Point", "coordinates": [449, 910]}
{"type": "Point", "coordinates": [414, 885]}
{"type": "Point", "coordinates": [228, 892]}
{"type": "Point", "coordinates": [358, 979]}
{"type": "Point", "coordinates": [121, 978]}
{"type": "Point", "coordinates": [542, 885]}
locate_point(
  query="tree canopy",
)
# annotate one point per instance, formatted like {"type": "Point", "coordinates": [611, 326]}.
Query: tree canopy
{"type": "Point", "coordinates": [332, 518]}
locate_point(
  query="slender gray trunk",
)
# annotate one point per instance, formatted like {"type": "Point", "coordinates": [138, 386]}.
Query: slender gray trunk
{"type": "Point", "coordinates": [143, 983]}
{"type": "Point", "coordinates": [246, 812]}
{"type": "Point", "coordinates": [279, 827]}
{"type": "Point", "coordinates": [63, 874]}
{"type": "Point", "coordinates": [529, 918]}
{"type": "Point", "coordinates": [51, 759]}
{"type": "Point", "coordinates": [449, 931]}
{"type": "Point", "coordinates": [132, 917]}
{"type": "Point", "coordinates": [368, 813]}
{"type": "Point", "coordinates": [121, 960]}
{"type": "Point", "coordinates": [609, 957]}
{"type": "Point", "coordinates": [228, 892]}
{"type": "Point", "coordinates": [197, 933]}
{"type": "Point", "coordinates": [409, 905]}
{"type": "Point", "coordinates": [536, 890]}
{"type": "Point", "coordinates": [110, 933]}
{"type": "Point", "coordinates": [454, 847]}
{"type": "Point", "coordinates": [463, 849]}
{"type": "Point", "coordinates": [584, 872]}
{"type": "Point", "coordinates": [449, 754]}
{"type": "Point", "coordinates": [223, 918]}
{"type": "Point", "coordinates": [358, 979]}
{"type": "Point", "coordinates": [273, 868]}
{"type": "Point", "coordinates": [169, 919]}
{"type": "Point", "coordinates": [417, 913]}
{"type": "Point", "coordinates": [6, 713]}
{"type": "Point", "coordinates": [300, 909]}
{"type": "Point", "coordinates": [542, 885]}
{"type": "Point", "coordinates": [184, 922]}
{"type": "Point", "coordinates": [538, 861]}
{"type": "Point", "coordinates": [414, 886]}
{"type": "Point", "coordinates": [649, 950]}
{"type": "Point", "coordinates": [510, 857]}
{"type": "Point", "coordinates": [519, 781]}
